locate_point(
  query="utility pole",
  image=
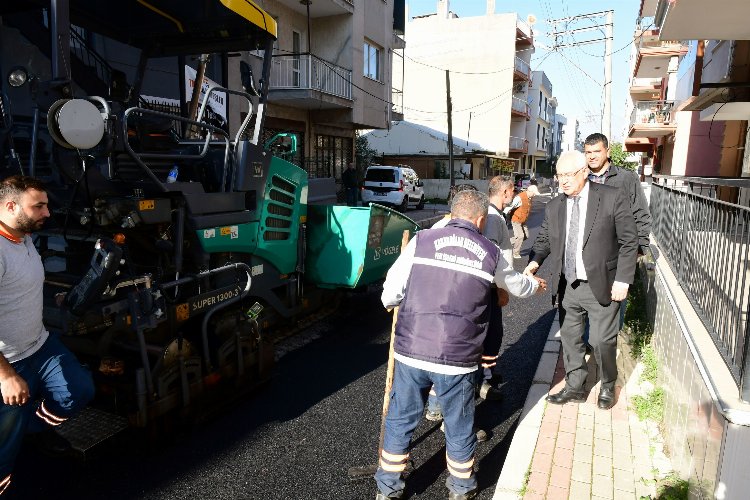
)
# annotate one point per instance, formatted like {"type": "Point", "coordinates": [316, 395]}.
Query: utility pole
{"type": "Point", "coordinates": [607, 118]}
{"type": "Point", "coordinates": [450, 126]}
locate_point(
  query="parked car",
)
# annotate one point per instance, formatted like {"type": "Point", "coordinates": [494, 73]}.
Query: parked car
{"type": "Point", "coordinates": [522, 181]}
{"type": "Point", "coordinates": [397, 186]}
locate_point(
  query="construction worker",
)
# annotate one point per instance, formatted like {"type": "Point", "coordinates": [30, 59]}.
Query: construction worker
{"type": "Point", "coordinates": [41, 382]}
{"type": "Point", "coordinates": [439, 337]}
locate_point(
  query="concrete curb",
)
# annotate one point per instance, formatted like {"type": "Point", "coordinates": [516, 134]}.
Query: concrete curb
{"type": "Point", "coordinates": [521, 452]}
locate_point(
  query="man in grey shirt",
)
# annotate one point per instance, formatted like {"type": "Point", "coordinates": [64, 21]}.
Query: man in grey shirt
{"type": "Point", "coordinates": [41, 382]}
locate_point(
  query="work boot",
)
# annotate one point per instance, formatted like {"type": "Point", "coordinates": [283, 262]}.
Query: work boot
{"type": "Point", "coordinates": [489, 392]}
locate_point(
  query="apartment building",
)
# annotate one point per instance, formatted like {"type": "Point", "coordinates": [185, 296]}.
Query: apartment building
{"type": "Point", "coordinates": [558, 135]}
{"type": "Point", "coordinates": [689, 99]}
{"type": "Point", "coordinates": [331, 75]}
{"type": "Point", "coordinates": [488, 62]}
{"type": "Point", "coordinates": [541, 123]}
{"type": "Point", "coordinates": [571, 135]}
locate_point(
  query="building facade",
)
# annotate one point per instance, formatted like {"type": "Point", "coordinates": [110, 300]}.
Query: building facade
{"type": "Point", "coordinates": [540, 127]}
{"type": "Point", "coordinates": [331, 75]}
{"type": "Point", "coordinates": [487, 61]}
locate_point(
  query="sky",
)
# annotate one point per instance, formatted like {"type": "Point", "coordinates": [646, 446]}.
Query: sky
{"type": "Point", "coordinates": [576, 73]}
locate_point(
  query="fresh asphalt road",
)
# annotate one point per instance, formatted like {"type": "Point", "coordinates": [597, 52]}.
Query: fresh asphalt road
{"type": "Point", "coordinates": [299, 435]}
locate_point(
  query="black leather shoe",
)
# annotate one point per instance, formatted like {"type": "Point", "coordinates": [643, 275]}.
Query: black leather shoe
{"type": "Point", "coordinates": [606, 399]}
{"type": "Point", "coordinates": [566, 396]}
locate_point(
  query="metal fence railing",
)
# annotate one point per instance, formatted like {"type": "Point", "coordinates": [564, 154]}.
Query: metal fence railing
{"type": "Point", "coordinates": [306, 71]}
{"type": "Point", "coordinates": [520, 106]}
{"type": "Point", "coordinates": [518, 144]}
{"type": "Point", "coordinates": [652, 112]}
{"type": "Point", "coordinates": [522, 67]}
{"type": "Point", "coordinates": [705, 236]}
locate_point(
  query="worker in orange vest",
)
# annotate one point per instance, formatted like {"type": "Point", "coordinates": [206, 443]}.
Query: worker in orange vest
{"type": "Point", "coordinates": [519, 210]}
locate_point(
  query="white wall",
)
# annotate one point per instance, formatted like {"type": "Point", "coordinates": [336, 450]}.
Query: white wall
{"type": "Point", "coordinates": [467, 44]}
{"type": "Point", "coordinates": [439, 188]}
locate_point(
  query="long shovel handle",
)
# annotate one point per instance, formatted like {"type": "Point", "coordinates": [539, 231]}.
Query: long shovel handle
{"type": "Point", "coordinates": [391, 361]}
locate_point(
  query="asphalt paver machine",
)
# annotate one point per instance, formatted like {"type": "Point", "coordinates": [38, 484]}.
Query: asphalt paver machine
{"type": "Point", "coordinates": [179, 237]}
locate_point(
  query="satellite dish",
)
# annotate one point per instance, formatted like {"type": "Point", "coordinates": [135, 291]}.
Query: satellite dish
{"type": "Point", "coordinates": [531, 19]}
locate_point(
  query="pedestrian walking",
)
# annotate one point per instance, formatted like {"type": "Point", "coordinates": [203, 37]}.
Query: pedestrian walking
{"type": "Point", "coordinates": [442, 283]}
{"type": "Point", "coordinates": [349, 178]}
{"type": "Point", "coordinates": [518, 211]}
{"type": "Point", "coordinates": [590, 236]}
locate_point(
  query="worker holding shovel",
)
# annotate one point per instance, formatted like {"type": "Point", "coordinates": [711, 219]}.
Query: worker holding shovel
{"type": "Point", "coordinates": [442, 282]}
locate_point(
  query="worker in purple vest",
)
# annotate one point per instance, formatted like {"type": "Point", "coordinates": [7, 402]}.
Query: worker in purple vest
{"type": "Point", "coordinates": [442, 282]}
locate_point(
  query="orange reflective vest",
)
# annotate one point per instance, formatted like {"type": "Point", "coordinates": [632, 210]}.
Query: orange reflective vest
{"type": "Point", "coordinates": [521, 213]}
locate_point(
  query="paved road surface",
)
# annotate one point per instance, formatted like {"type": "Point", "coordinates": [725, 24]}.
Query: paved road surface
{"type": "Point", "coordinates": [299, 435]}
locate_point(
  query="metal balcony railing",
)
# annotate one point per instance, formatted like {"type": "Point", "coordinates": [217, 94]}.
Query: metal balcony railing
{"type": "Point", "coordinates": [520, 106]}
{"type": "Point", "coordinates": [646, 43]}
{"type": "Point", "coordinates": [522, 67]}
{"type": "Point", "coordinates": [306, 71]}
{"type": "Point", "coordinates": [397, 101]}
{"type": "Point", "coordinates": [519, 144]}
{"type": "Point", "coordinates": [651, 112]}
{"type": "Point", "coordinates": [707, 244]}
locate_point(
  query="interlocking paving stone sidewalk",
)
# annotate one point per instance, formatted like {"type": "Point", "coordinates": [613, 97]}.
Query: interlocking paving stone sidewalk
{"type": "Point", "coordinates": [581, 451]}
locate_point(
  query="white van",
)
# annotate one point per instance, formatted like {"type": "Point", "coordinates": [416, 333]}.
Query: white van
{"type": "Point", "coordinates": [396, 186]}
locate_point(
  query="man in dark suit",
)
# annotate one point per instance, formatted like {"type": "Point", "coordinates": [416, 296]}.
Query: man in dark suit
{"type": "Point", "coordinates": [591, 236]}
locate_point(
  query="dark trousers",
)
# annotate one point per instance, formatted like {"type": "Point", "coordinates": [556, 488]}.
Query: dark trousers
{"type": "Point", "coordinates": [494, 339]}
{"type": "Point", "coordinates": [351, 196]}
{"type": "Point", "coordinates": [455, 393]}
{"type": "Point", "coordinates": [58, 387]}
{"type": "Point", "coordinates": [579, 304]}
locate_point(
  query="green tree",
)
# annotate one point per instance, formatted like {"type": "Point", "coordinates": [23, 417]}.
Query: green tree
{"type": "Point", "coordinates": [363, 153]}
{"type": "Point", "coordinates": [619, 156]}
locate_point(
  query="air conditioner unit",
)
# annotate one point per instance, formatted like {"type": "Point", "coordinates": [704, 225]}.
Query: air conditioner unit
{"type": "Point", "coordinates": [518, 87]}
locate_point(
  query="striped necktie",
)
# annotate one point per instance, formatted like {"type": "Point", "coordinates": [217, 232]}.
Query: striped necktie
{"type": "Point", "coordinates": [571, 244]}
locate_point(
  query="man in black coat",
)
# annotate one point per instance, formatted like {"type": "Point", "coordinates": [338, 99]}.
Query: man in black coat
{"type": "Point", "coordinates": [602, 171]}
{"type": "Point", "coordinates": [590, 233]}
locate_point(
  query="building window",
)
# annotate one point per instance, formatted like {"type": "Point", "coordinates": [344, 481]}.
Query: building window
{"type": "Point", "coordinates": [540, 103]}
{"type": "Point", "coordinates": [372, 61]}
{"type": "Point", "coordinates": [538, 127]}
{"type": "Point", "coordinates": [332, 155]}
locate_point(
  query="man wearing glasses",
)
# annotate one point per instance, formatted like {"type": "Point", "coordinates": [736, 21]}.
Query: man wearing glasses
{"type": "Point", "coordinates": [591, 236]}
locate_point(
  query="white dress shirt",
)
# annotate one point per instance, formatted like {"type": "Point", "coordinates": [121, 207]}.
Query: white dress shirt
{"type": "Point", "coordinates": [583, 203]}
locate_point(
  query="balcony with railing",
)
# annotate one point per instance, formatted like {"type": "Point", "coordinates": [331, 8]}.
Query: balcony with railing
{"type": "Point", "coordinates": [652, 119]}
{"type": "Point", "coordinates": [310, 82]}
{"type": "Point", "coordinates": [654, 55]}
{"type": "Point", "coordinates": [519, 107]}
{"type": "Point", "coordinates": [645, 88]}
{"type": "Point", "coordinates": [518, 145]}
{"type": "Point", "coordinates": [521, 70]}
